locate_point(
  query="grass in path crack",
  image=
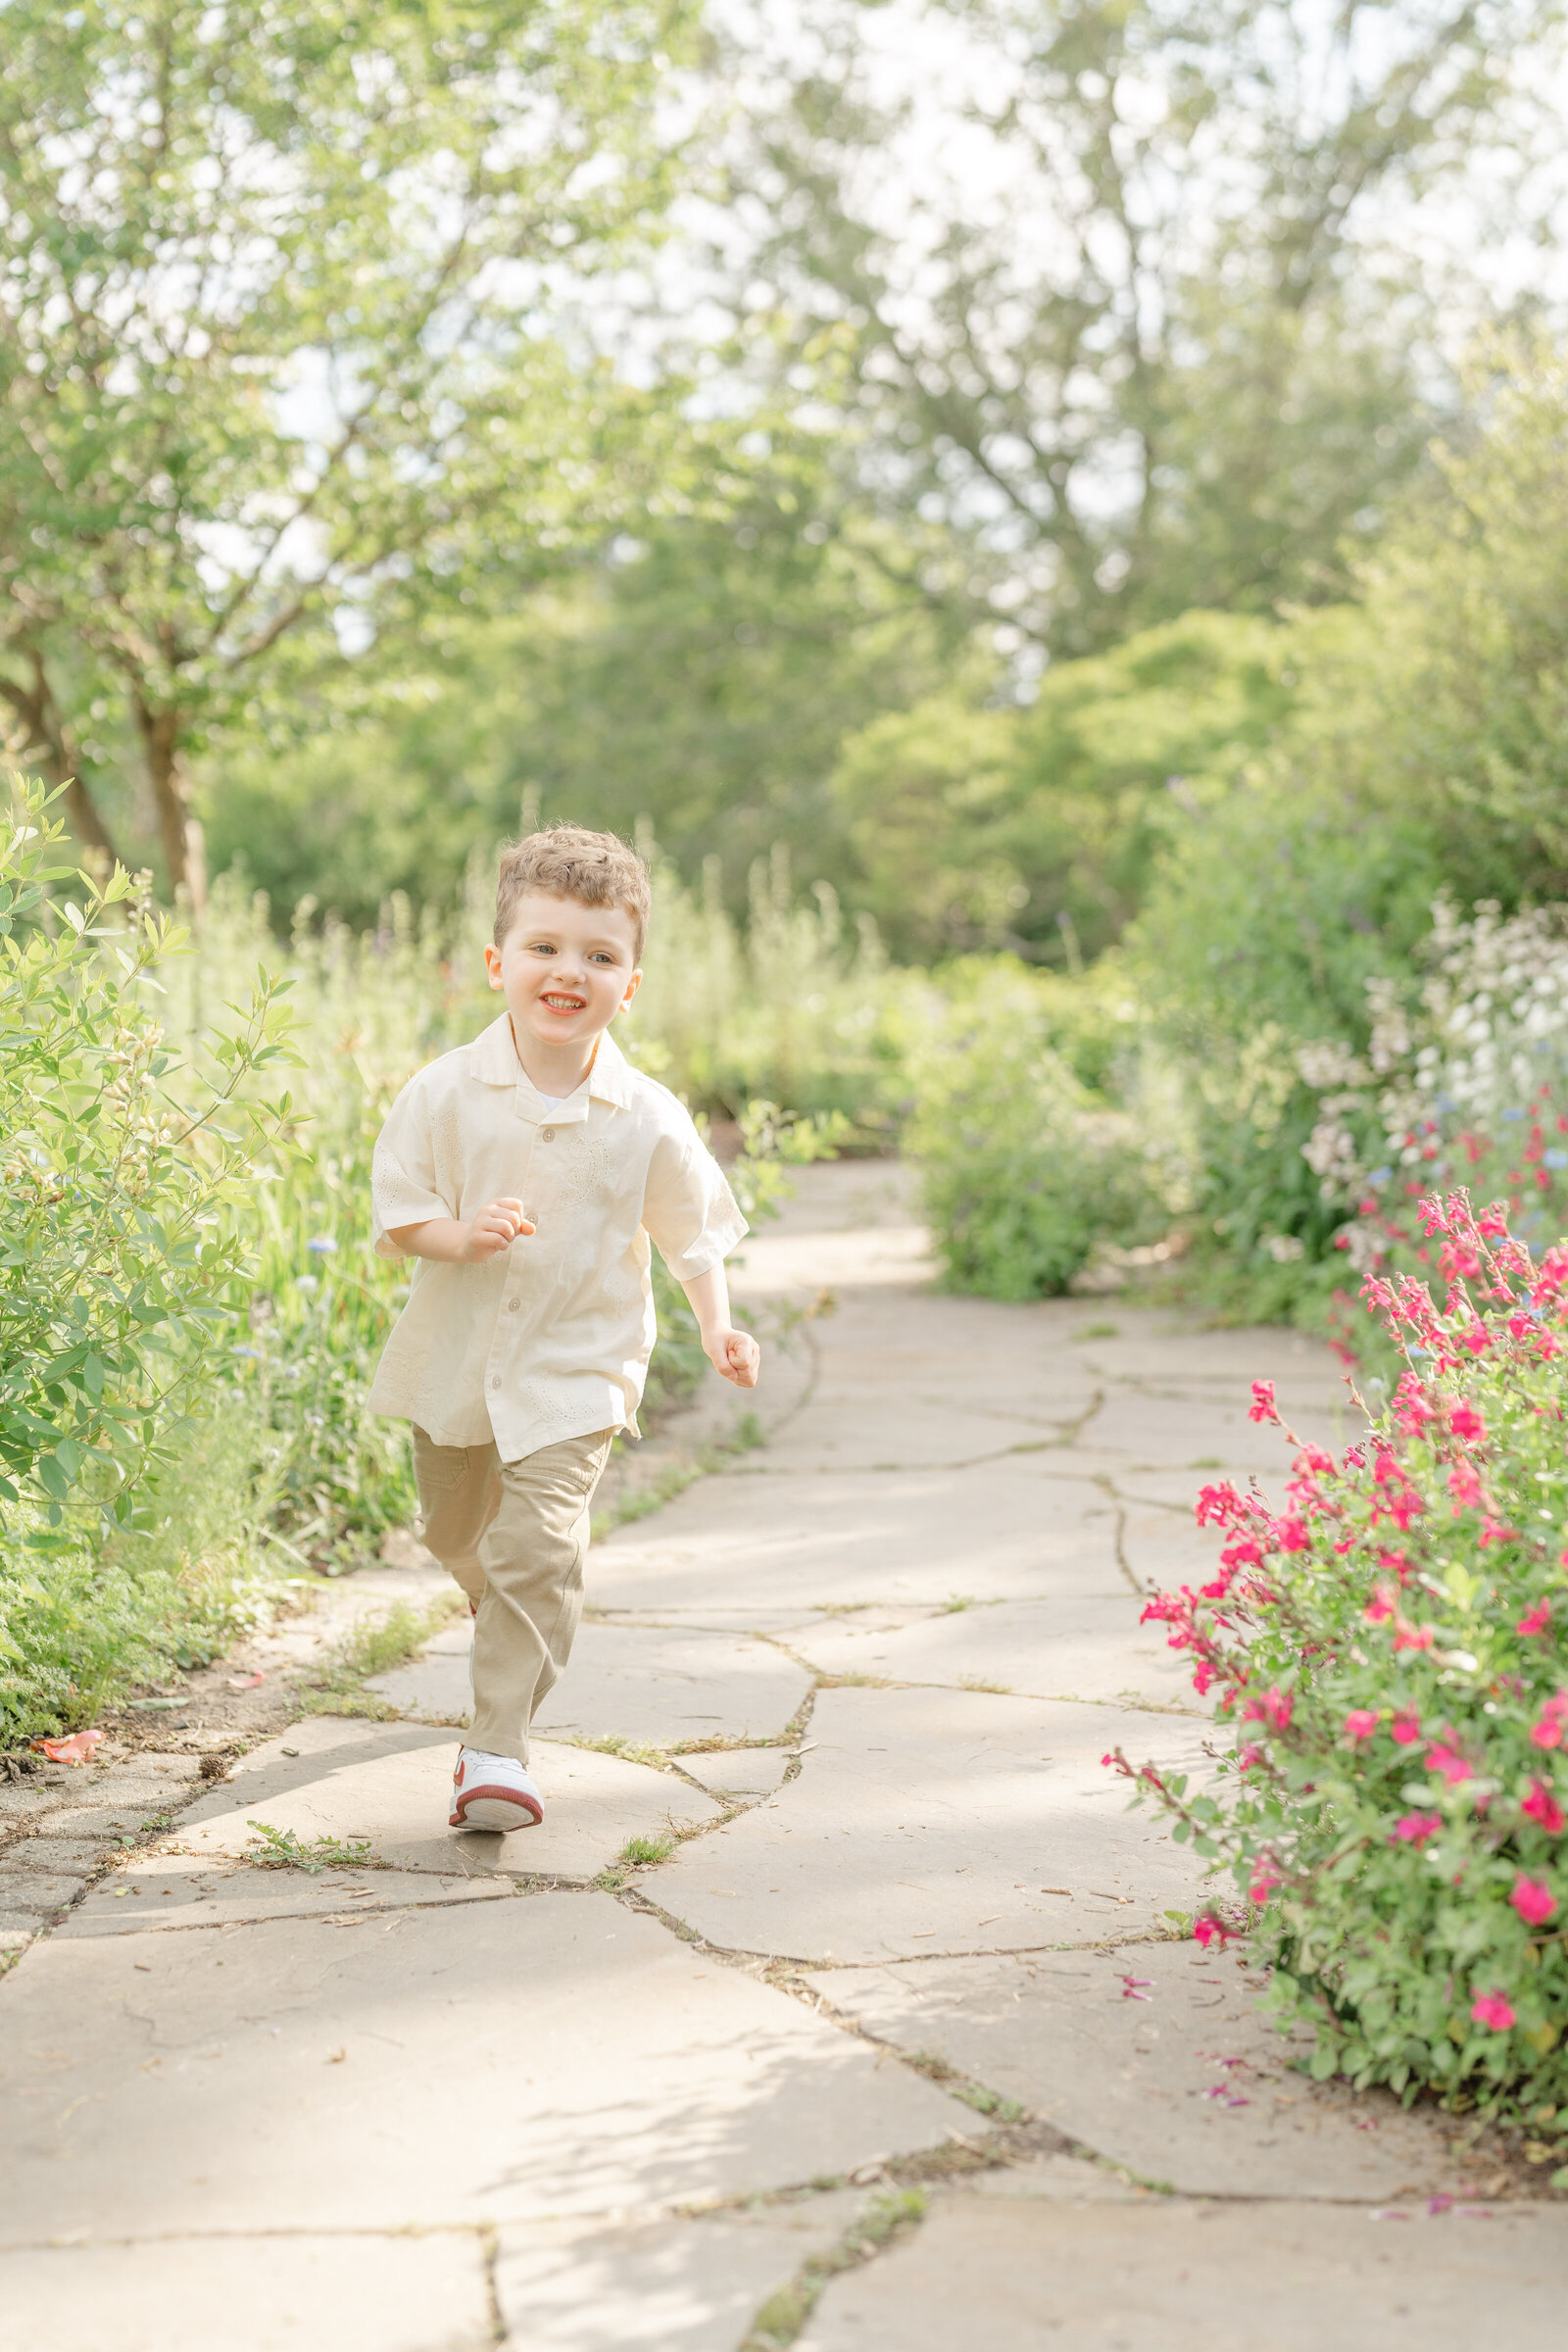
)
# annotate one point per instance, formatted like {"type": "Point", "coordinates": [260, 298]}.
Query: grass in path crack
{"type": "Point", "coordinates": [338, 1686]}
{"type": "Point", "coordinates": [961, 2087]}
{"type": "Point", "coordinates": [283, 1849]}
{"type": "Point", "coordinates": [642, 1850]}
{"type": "Point", "coordinates": [784, 2314]}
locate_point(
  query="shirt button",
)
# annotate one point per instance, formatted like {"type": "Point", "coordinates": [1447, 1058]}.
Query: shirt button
{"type": "Point", "coordinates": [514, 1304]}
{"type": "Point", "coordinates": [496, 1383]}
{"type": "Point", "coordinates": [547, 1135]}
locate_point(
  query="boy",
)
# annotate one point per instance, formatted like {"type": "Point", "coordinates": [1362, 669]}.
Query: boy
{"type": "Point", "coordinates": [527, 1173]}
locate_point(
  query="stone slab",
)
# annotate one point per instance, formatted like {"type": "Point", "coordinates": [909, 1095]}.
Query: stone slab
{"type": "Point", "coordinates": [273, 2294]}
{"type": "Point", "coordinates": [396, 1794]}
{"type": "Point", "coordinates": [43, 1852]}
{"type": "Point", "coordinates": [687, 2286]}
{"type": "Point", "coordinates": [1076, 1645]}
{"type": "Point", "coordinates": [441, 2068]}
{"type": "Point", "coordinates": [1001, 1533]}
{"type": "Point", "coordinates": [773, 1265]}
{"type": "Point", "coordinates": [937, 1821]}
{"type": "Point", "coordinates": [36, 1892]}
{"type": "Point", "coordinates": [1156, 2057]}
{"type": "Point", "coordinates": [152, 1893]}
{"type": "Point", "coordinates": [1174, 2277]}
{"type": "Point", "coordinates": [112, 1823]}
{"type": "Point", "coordinates": [1153, 1426]}
{"type": "Point", "coordinates": [740, 1771]}
{"type": "Point", "coordinates": [655, 1684]}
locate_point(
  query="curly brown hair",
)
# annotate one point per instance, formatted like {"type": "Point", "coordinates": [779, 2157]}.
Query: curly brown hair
{"type": "Point", "coordinates": [567, 861]}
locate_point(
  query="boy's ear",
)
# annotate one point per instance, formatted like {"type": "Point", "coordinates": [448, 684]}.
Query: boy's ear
{"type": "Point", "coordinates": [492, 964]}
{"type": "Point", "coordinates": [632, 986]}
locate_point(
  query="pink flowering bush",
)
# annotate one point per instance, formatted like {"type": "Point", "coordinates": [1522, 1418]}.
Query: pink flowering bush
{"type": "Point", "coordinates": [1390, 1653]}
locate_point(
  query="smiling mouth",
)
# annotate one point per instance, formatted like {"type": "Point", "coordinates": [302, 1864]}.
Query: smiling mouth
{"type": "Point", "coordinates": [564, 1003]}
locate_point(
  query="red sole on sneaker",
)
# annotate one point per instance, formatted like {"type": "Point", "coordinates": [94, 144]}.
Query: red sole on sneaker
{"type": "Point", "coordinates": [495, 1809]}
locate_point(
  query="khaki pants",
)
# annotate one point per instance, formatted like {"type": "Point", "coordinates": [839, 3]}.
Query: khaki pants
{"type": "Point", "coordinates": [516, 1536]}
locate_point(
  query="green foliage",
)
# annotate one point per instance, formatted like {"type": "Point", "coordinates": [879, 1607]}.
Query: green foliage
{"type": "Point", "coordinates": [1389, 1656]}
{"type": "Point", "coordinates": [271, 1849]}
{"type": "Point", "coordinates": [203, 456]}
{"type": "Point", "coordinates": [121, 1169]}
{"type": "Point", "coordinates": [1150, 343]}
{"type": "Point", "coordinates": [795, 1009]}
{"type": "Point", "coordinates": [1024, 1169]}
{"type": "Point", "coordinates": [91, 1619]}
{"type": "Point", "coordinates": [1453, 701]}
{"type": "Point", "coordinates": [1039, 828]}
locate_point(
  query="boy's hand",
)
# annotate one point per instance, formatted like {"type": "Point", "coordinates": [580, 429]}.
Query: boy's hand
{"type": "Point", "coordinates": [493, 1229]}
{"type": "Point", "coordinates": [734, 1354]}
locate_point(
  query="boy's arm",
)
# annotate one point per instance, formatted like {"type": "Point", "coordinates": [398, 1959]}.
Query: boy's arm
{"type": "Point", "coordinates": [734, 1354]}
{"type": "Point", "coordinates": [463, 1240]}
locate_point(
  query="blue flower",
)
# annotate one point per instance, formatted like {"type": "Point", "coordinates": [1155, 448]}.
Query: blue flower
{"type": "Point", "coordinates": [1513, 1114]}
{"type": "Point", "coordinates": [322, 1246]}
{"type": "Point", "coordinates": [1555, 1158]}
{"type": "Point", "coordinates": [1380, 1176]}
{"type": "Point", "coordinates": [254, 1354]}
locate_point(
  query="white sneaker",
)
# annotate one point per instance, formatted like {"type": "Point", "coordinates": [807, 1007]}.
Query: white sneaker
{"type": "Point", "coordinates": [492, 1792]}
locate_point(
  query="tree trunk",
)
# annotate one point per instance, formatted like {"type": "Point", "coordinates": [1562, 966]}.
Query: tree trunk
{"type": "Point", "coordinates": [49, 742]}
{"type": "Point", "coordinates": [184, 848]}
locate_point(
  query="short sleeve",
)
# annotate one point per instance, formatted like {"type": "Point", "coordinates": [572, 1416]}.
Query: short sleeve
{"type": "Point", "coordinates": [403, 1171]}
{"type": "Point", "coordinates": [689, 1210]}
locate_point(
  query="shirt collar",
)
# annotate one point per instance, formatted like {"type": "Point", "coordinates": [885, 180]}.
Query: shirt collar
{"type": "Point", "coordinates": [493, 1061]}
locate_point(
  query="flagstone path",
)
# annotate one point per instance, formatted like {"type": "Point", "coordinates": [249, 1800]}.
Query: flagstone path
{"type": "Point", "coordinates": [837, 2002]}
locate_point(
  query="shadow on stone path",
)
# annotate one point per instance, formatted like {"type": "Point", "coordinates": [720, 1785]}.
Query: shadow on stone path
{"type": "Point", "coordinates": [837, 2002]}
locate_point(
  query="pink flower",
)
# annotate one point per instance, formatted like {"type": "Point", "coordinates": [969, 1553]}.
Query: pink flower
{"type": "Point", "coordinates": [1265, 1878]}
{"type": "Point", "coordinates": [1216, 1504]}
{"type": "Point", "coordinates": [1533, 1901]}
{"type": "Point", "coordinates": [1290, 1535]}
{"type": "Point", "coordinates": [1491, 2009]}
{"type": "Point", "coordinates": [1208, 1930]}
{"type": "Point", "coordinates": [1547, 1733]}
{"type": "Point", "coordinates": [1273, 1708]}
{"type": "Point", "coordinates": [1450, 1763]}
{"type": "Point", "coordinates": [1407, 1728]}
{"type": "Point", "coordinates": [1360, 1723]}
{"type": "Point", "coordinates": [1466, 1424]}
{"type": "Point", "coordinates": [1261, 1407]}
{"type": "Point", "coordinates": [1542, 1806]}
{"type": "Point", "coordinates": [1464, 1485]}
{"type": "Point", "coordinates": [1477, 1338]}
{"type": "Point", "coordinates": [1536, 1620]}
{"type": "Point", "coordinates": [1380, 1606]}
{"type": "Point", "coordinates": [1412, 1407]}
{"type": "Point", "coordinates": [1412, 1637]}
{"type": "Point", "coordinates": [1414, 1829]}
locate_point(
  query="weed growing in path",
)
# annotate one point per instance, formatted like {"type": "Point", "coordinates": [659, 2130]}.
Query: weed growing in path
{"type": "Point", "coordinates": [283, 1849]}
{"type": "Point", "coordinates": [784, 2314]}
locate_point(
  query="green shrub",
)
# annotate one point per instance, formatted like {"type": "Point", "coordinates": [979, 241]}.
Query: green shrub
{"type": "Point", "coordinates": [119, 1252]}
{"type": "Point", "coordinates": [90, 1620]}
{"type": "Point", "coordinates": [126, 1175]}
{"type": "Point", "coordinates": [1391, 1651]}
{"type": "Point", "coordinates": [1024, 1169]}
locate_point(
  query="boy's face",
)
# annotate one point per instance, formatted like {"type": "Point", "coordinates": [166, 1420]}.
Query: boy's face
{"type": "Point", "coordinates": [565, 969]}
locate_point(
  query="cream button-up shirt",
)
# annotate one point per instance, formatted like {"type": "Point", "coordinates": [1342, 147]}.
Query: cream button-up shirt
{"type": "Point", "coordinates": [549, 1339]}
